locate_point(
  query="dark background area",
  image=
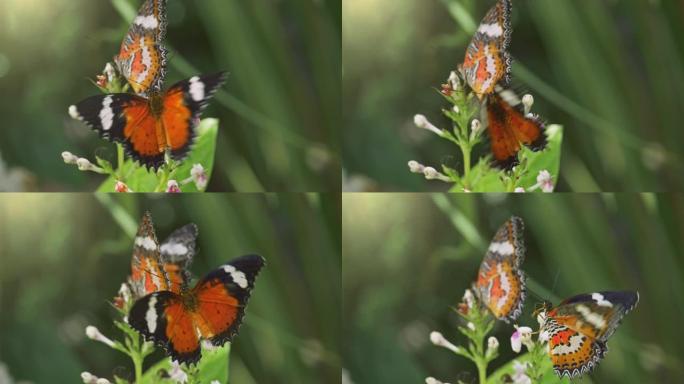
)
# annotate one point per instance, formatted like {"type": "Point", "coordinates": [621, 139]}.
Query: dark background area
{"type": "Point", "coordinates": [610, 72]}
{"type": "Point", "coordinates": [279, 111]}
{"type": "Point", "coordinates": [63, 259]}
{"type": "Point", "coordinates": [408, 259]}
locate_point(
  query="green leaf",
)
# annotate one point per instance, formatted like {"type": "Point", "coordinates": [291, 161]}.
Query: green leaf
{"type": "Point", "coordinates": [548, 159]}
{"type": "Point", "coordinates": [212, 366]}
{"type": "Point", "coordinates": [140, 179]}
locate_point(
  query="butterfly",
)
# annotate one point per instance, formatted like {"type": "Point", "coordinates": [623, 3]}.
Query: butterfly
{"type": "Point", "coordinates": [212, 310]}
{"type": "Point", "coordinates": [500, 282]}
{"type": "Point", "coordinates": [486, 69]}
{"type": "Point", "coordinates": [161, 268]}
{"type": "Point", "coordinates": [150, 127]}
{"type": "Point", "coordinates": [578, 329]}
{"type": "Point", "coordinates": [142, 56]}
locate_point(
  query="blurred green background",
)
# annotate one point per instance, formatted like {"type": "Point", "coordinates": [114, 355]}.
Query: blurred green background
{"type": "Point", "coordinates": [611, 72]}
{"type": "Point", "coordinates": [279, 110]}
{"type": "Point", "coordinates": [409, 257]}
{"type": "Point", "coordinates": [63, 258]}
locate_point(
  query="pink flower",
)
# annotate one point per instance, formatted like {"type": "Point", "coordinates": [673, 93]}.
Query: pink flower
{"type": "Point", "coordinates": [545, 181]}
{"type": "Point", "coordinates": [522, 335]}
{"type": "Point", "coordinates": [199, 176]}
{"type": "Point", "coordinates": [173, 187]}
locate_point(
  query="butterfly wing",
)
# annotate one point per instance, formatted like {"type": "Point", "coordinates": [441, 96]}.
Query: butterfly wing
{"type": "Point", "coordinates": [508, 127]}
{"type": "Point", "coordinates": [183, 105]}
{"type": "Point", "coordinates": [126, 119]}
{"type": "Point", "coordinates": [164, 319]}
{"type": "Point", "coordinates": [177, 252]}
{"type": "Point", "coordinates": [500, 283]}
{"type": "Point", "coordinates": [213, 310]}
{"type": "Point", "coordinates": [222, 297]}
{"type": "Point", "coordinates": [147, 274]}
{"type": "Point", "coordinates": [142, 57]}
{"type": "Point", "coordinates": [580, 326]}
{"type": "Point", "coordinates": [487, 61]}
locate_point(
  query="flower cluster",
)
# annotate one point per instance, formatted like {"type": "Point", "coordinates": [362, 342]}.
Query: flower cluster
{"type": "Point", "coordinates": [478, 324]}
{"type": "Point", "coordinates": [467, 131]}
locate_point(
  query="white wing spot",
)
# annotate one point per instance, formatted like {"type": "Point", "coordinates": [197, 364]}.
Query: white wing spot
{"type": "Point", "coordinates": [503, 248]}
{"type": "Point", "coordinates": [174, 249]}
{"type": "Point", "coordinates": [196, 89]}
{"type": "Point", "coordinates": [147, 22]}
{"type": "Point", "coordinates": [146, 242]}
{"type": "Point", "coordinates": [492, 30]}
{"type": "Point", "coordinates": [593, 318]}
{"type": "Point", "coordinates": [73, 112]}
{"type": "Point", "coordinates": [151, 315]}
{"type": "Point", "coordinates": [238, 277]}
{"type": "Point", "coordinates": [107, 113]}
{"type": "Point", "coordinates": [598, 298]}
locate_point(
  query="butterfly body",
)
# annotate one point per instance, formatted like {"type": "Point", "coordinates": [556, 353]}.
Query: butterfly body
{"type": "Point", "coordinates": [500, 284]}
{"type": "Point", "coordinates": [578, 329]}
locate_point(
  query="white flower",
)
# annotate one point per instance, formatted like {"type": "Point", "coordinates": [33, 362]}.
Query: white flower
{"type": "Point", "coordinates": [102, 380]}
{"type": "Point", "coordinates": [545, 181]}
{"type": "Point", "coordinates": [454, 81]}
{"type": "Point", "coordinates": [432, 174]}
{"type": "Point", "coordinates": [519, 375]}
{"type": "Point", "coordinates": [475, 129]}
{"type": "Point", "coordinates": [177, 374]}
{"type": "Point", "coordinates": [199, 176]}
{"type": "Point", "coordinates": [438, 339]}
{"type": "Point", "coordinates": [519, 190]}
{"type": "Point", "coordinates": [470, 326]}
{"type": "Point", "coordinates": [455, 109]}
{"type": "Point", "coordinates": [432, 380]}
{"type": "Point", "coordinates": [522, 335]}
{"type": "Point", "coordinates": [94, 334]}
{"type": "Point", "coordinates": [110, 72]}
{"type": "Point", "coordinates": [528, 101]}
{"type": "Point", "coordinates": [125, 293]}
{"type": "Point", "coordinates": [69, 158]}
{"type": "Point", "coordinates": [468, 298]}
{"type": "Point", "coordinates": [173, 187]}
{"type": "Point", "coordinates": [492, 346]}
{"type": "Point", "coordinates": [415, 167]}
{"type": "Point", "coordinates": [422, 122]}
{"type": "Point", "coordinates": [88, 378]}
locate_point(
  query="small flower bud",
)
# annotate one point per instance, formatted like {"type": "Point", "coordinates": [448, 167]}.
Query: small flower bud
{"type": "Point", "coordinates": [415, 167]}
{"type": "Point", "coordinates": [438, 339]}
{"type": "Point", "coordinates": [475, 129]}
{"type": "Point", "coordinates": [492, 343]}
{"type": "Point", "coordinates": [455, 109]}
{"type": "Point", "coordinates": [454, 80]}
{"type": "Point", "coordinates": [88, 378]}
{"type": "Point", "coordinates": [172, 187]}
{"type": "Point", "coordinates": [422, 122]}
{"type": "Point", "coordinates": [121, 187]}
{"type": "Point", "coordinates": [177, 374]}
{"type": "Point", "coordinates": [519, 190]}
{"type": "Point", "coordinates": [528, 101]}
{"type": "Point", "coordinates": [84, 164]}
{"type": "Point", "coordinates": [470, 326]}
{"type": "Point", "coordinates": [468, 298]}
{"type": "Point", "coordinates": [102, 380]}
{"type": "Point", "coordinates": [432, 380]}
{"type": "Point", "coordinates": [110, 72]}
{"type": "Point", "coordinates": [69, 158]}
{"type": "Point", "coordinates": [94, 334]}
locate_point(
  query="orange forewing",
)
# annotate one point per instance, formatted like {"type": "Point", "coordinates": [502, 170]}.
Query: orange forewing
{"type": "Point", "coordinates": [176, 119]}
{"type": "Point", "coordinates": [508, 127]}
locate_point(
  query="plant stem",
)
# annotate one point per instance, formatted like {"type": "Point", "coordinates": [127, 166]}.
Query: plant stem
{"type": "Point", "coordinates": [137, 357]}
{"type": "Point", "coordinates": [465, 149]}
{"type": "Point", "coordinates": [482, 371]}
{"type": "Point", "coordinates": [120, 159]}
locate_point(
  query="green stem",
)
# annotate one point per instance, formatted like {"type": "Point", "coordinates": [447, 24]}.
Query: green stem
{"type": "Point", "coordinates": [482, 371]}
{"type": "Point", "coordinates": [465, 148]}
{"type": "Point", "coordinates": [137, 357]}
{"type": "Point", "coordinates": [119, 160]}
